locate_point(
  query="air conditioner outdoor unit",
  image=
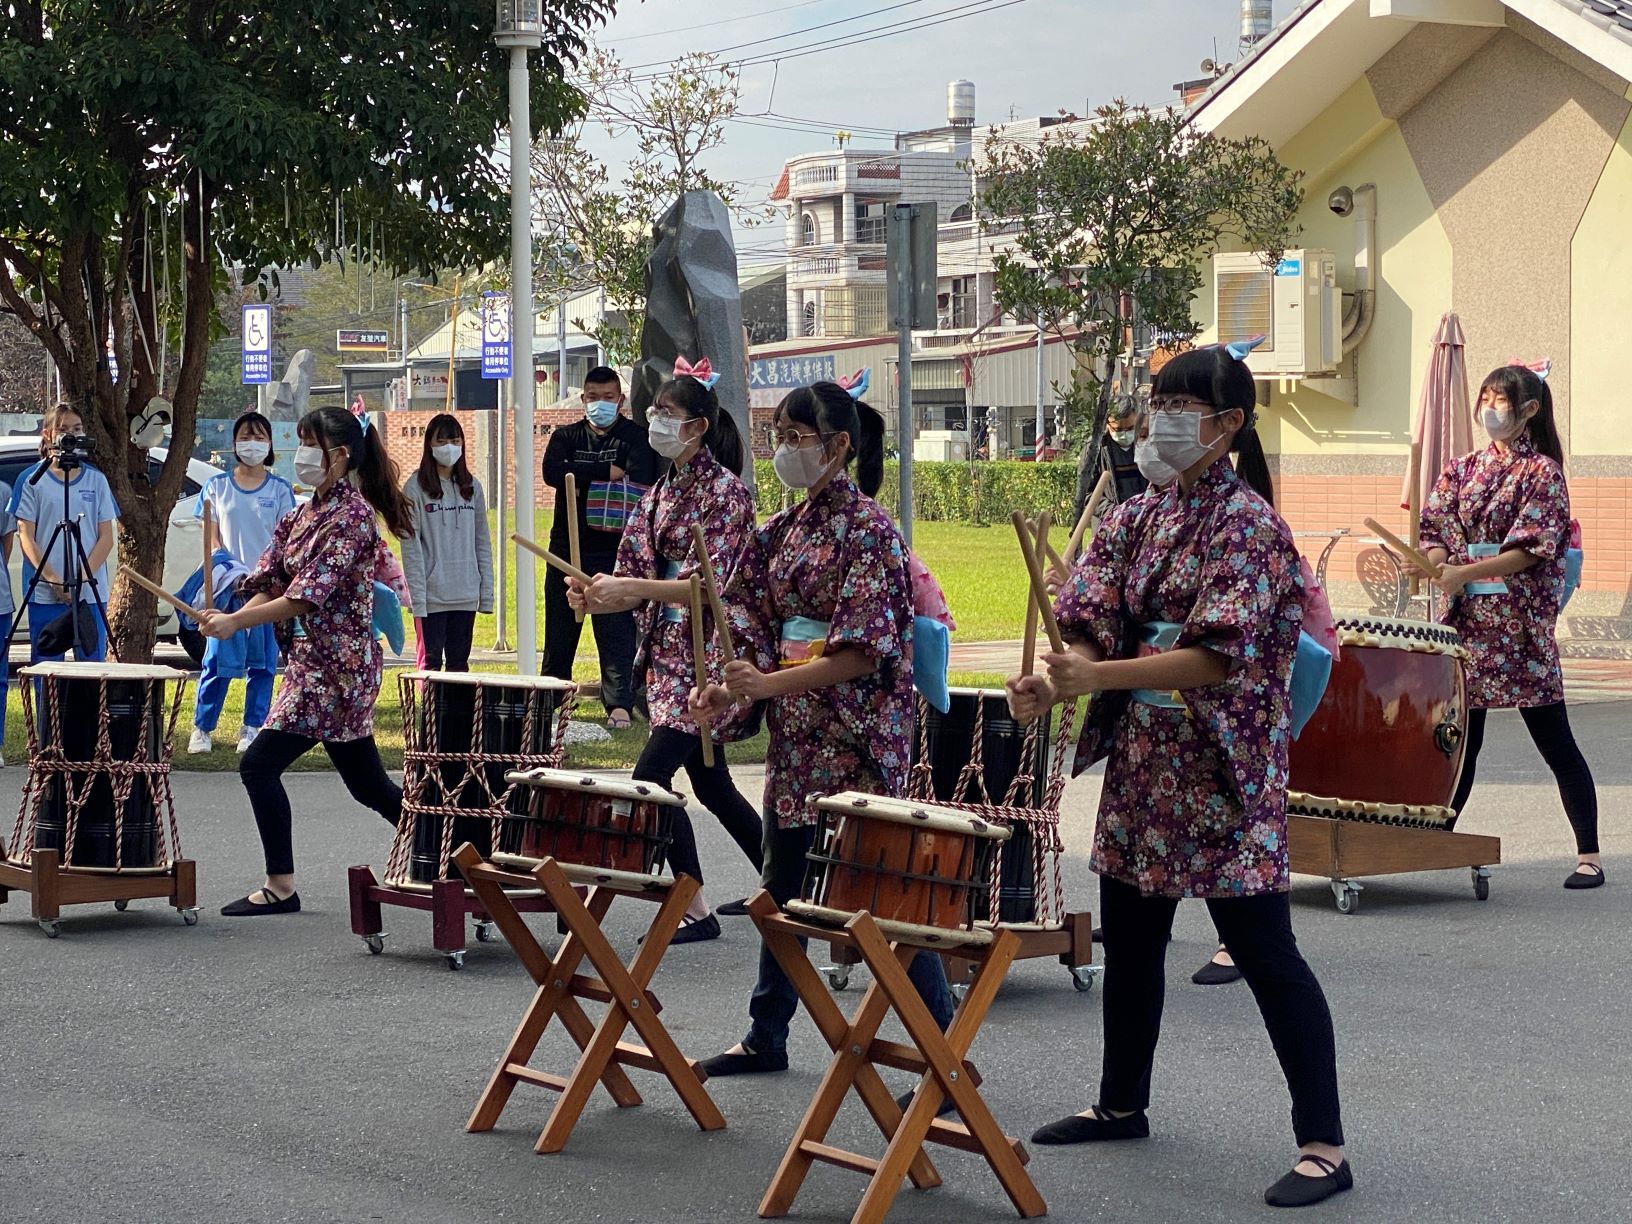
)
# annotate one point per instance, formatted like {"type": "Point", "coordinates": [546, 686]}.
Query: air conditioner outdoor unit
{"type": "Point", "coordinates": [1296, 305]}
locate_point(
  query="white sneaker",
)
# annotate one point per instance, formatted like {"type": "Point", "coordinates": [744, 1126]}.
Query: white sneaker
{"type": "Point", "coordinates": [200, 743]}
{"type": "Point", "coordinates": [246, 737]}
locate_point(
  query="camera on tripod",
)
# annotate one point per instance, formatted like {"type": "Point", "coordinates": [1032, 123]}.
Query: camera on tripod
{"type": "Point", "coordinates": [71, 449]}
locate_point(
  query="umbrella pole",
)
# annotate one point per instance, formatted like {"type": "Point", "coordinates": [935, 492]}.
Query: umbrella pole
{"type": "Point", "coordinates": [1414, 507]}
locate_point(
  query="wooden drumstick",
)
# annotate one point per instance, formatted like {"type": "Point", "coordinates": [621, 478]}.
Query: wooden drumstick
{"type": "Point", "coordinates": [1039, 586]}
{"type": "Point", "coordinates": [572, 532]}
{"type": "Point", "coordinates": [1405, 550]}
{"type": "Point", "coordinates": [1028, 653]}
{"type": "Point", "coordinates": [209, 567]}
{"type": "Point", "coordinates": [155, 589]}
{"type": "Point", "coordinates": [1073, 549]}
{"type": "Point", "coordinates": [722, 626]}
{"type": "Point", "coordinates": [699, 663]}
{"type": "Point", "coordinates": [549, 558]}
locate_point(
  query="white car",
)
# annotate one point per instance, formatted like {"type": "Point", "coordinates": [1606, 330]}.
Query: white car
{"type": "Point", "coordinates": [184, 544]}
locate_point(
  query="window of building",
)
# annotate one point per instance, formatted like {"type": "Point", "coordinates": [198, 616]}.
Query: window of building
{"type": "Point", "coordinates": [962, 213]}
{"type": "Point", "coordinates": [807, 230]}
{"type": "Point", "coordinates": [870, 221]}
{"type": "Point", "coordinates": [810, 325]}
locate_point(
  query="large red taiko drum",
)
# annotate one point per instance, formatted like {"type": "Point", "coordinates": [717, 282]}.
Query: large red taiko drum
{"type": "Point", "coordinates": [1390, 729]}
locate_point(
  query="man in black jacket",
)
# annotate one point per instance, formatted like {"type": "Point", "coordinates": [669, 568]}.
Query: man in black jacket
{"type": "Point", "coordinates": [605, 445]}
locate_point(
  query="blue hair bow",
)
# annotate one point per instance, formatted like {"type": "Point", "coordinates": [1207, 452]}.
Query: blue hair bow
{"type": "Point", "coordinates": [858, 383]}
{"type": "Point", "coordinates": [1239, 349]}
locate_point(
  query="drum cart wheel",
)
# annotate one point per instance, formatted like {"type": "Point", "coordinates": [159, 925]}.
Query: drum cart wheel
{"type": "Point", "coordinates": [189, 914]}
{"type": "Point", "coordinates": [838, 977]}
{"type": "Point", "coordinates": [1347, 893]}
{"type": "Point", "coordinates": [1481, 883]}
{"type": "Point", "coordinates": [51, 926]}
{"type": "Point", "coordinates": [1083, 977]}
{"type": "Point", "coordinates": [484, 932]}
{"type": "Point", "coordinates": [456, 960]}
{"type": "Point", "coordinates": [375, 942]}
{"type": "Point", "coordinates": [122, 904]}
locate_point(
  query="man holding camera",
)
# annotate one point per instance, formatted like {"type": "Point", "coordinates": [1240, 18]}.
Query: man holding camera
{"type": "Point", "coordinates": [72, 490]}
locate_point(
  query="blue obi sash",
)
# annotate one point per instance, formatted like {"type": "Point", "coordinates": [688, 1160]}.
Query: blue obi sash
{"type": "Point", "coordinates": [804, 639]}
{"type": "Point", "coordinates": [1490, 586]}
{"type": "Point", "coordinates": [671, 612]}
{"type": "Point", "coordinates": [1311, 671]}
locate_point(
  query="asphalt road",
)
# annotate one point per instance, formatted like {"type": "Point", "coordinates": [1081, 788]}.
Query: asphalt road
{"type": "Point", "coordinates": [271, 1070]}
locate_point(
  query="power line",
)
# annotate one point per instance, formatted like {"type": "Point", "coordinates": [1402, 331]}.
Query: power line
{"type": "Point", "coordinates": [708, 25]}
{"type": "Point", "coordinates": [901, 4]}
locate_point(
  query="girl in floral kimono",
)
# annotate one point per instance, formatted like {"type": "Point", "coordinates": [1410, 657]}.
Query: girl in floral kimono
{"type": "Point", "coordinates": [1498, 523]}
{"type": "Point", "coordinates": [315, 582]}
{"type": "Point", "coordinates": [1182, 620]}
{"type": "Point", "coordinates": [821, 605]}
{"type": "Point", "coordinates": [653, 577]}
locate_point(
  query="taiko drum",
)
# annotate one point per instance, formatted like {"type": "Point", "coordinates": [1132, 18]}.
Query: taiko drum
{"type": "Point", "coordinates": [610, 823]}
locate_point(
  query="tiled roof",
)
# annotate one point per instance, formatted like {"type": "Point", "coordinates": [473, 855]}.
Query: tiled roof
{"type": "Point", "coordinates": [1613, 15]}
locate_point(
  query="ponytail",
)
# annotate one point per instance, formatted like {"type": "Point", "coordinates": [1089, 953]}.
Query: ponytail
{"type": "Point", "coordinates": [869, 449]}
{"type": "Point", "coordinates": [377, 478]}
{"type": "Point", "coordinates": [724, 441]}
{"type": "Point", "coordinates": [1544, 428]}
{"type": "Point", "coordinates": [1250, 463]}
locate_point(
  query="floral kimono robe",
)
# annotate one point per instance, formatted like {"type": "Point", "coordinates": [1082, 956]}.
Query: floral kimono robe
{"type": "Point", "coordinates": [657, 544]}
{"type": "Point", "coordinates": [1506, 496]}
{"type": "Point", "coordinates": [836, 560]}
{"type": "Point", "coordinates": [325, 553]}
{"type": "Point", "coordinates": [1194, 803]}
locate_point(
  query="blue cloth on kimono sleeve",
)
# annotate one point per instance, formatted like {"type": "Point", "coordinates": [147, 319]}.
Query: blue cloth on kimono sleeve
{"type": "Point", "coordinates": [1311, 671]}
{"type": "Point", "coordinates": [931, 653]}
{"type": "Point", "coordinates": [1573, 559]}
{"type": "Point", "coordinates": [388, 617]}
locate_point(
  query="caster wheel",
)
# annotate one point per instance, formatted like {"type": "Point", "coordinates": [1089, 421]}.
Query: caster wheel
{"type": "Point", "coordinates": [1348, 901]}
{"type": "Point", "coordinates": [189, 916]}
{"type": "Point", "coordinates": [51, 927]}
{"type": "Point", "coordinates": [1083, 978]}
{"type": "Point", "coordinates": [121, 905]}
{"type": "Point", "coordinates": [838, 979]}
{"type": "Point", "coordinates": [456, 960]}
{"type": "Point", "coordinates": [960, 991]}
{"type": "Point", "coordinates": [376, 943]}
{"type": "Point", "coordinates": [484, 932]}
{"type": "Point", "coordinates": [1481, 883]}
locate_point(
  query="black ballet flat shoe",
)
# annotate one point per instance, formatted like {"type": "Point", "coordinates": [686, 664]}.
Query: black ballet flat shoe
{"type": "Point", "coordinates": [1300, 1190]}
{"type": "Point", "coordinates": [1101, 1128]}
{"type": "Point", "coordinates": [1583, 879]}
{"type": "Point", "coordinates": [697, 930]}
{"type": "Point", "coordinates": [905, 1099]}
{"type": "Point", "coordinates": [733, 909]}
{"type": "Point", "coordinates": [1215, 974]}
{"type": "Point", "coordinates": [246, 908]}
{"type": "Point", "coordinates": [750, 1062]}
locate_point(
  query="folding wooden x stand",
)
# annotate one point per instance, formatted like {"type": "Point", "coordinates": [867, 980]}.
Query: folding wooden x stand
{"type": "Point", "coordinates": [857, 1052]}
{"type": "Point", "coordinates": [603, 1055]}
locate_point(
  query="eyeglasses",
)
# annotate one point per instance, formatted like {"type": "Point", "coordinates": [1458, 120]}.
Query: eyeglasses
{"type": "Point", "coordinates": [1172, 405]}
{"type": "Point", "coordinates": [672, 414]}
{"type": "Point", "coordinates": [793, 439]}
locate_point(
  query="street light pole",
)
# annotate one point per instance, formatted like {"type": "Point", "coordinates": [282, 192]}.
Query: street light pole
{"type": "Point", "coordinates": [520, 28]}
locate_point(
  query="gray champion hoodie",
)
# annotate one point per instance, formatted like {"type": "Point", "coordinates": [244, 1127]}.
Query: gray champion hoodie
{"type": "Point", "coordinates": [448, 561]}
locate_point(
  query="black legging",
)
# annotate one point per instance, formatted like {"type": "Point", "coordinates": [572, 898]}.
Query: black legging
{"type": "Point", "coordinates": [1257, 930]}
{"type": "Point", "coordinates": [1549, 727]}
{"type": "Point", "coordinates": [666, 751]}
{"type": "Point", "coordinates": [262, 769]}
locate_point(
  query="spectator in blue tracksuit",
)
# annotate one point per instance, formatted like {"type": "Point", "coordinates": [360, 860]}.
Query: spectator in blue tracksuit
{"type": "Point", "coordinates": [245, 505]}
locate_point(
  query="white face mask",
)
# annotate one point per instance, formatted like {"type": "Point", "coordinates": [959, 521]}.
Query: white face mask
{"type": "Point", "coordinates": [799, 469]}
{"type": "Point", "coordinates": [1172, 446]}
{"type": "Point", "coordinates": [253, 453]}
{"type": "Point", "coordinates": [664, 436]}
{"type": "Point", "coordinates": [310, 468]}
{"type": "Point", "coordinates": [1502, 426]}
{"type": "Point", "coordinates": [1123, 437]}
{"type": "Point", "coordinates": [447, 453]}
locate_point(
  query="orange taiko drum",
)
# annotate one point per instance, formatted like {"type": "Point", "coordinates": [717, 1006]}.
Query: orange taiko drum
{"type": "Point", "coordinates": [1391, 727]}
{"type": "Point", "coordinates": [900, 860]}
{"type": "Point", "coordinates": [612, 823]}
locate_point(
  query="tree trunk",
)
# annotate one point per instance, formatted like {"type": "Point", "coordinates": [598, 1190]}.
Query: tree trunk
{"type": "Point", "coordinates": [133, 614]}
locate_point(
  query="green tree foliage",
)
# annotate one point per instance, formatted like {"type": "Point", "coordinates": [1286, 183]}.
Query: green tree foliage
{"type": "Point", "coordinates": [1104, 225]}
{"type": "Point", "coordinates": [596, 228]}
{"type": "Point", "coordinates": [148, 148]}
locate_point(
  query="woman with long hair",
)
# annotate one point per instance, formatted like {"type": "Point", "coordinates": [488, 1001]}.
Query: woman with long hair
{"type": "Point", "coordinates": [448, 560]}
{"type": "Point", "coordinates": [315, 582]}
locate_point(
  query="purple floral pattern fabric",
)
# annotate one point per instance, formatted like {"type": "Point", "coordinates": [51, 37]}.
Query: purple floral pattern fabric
{"type": "Point", "coordinates": [325, 554]}
{"type": "Point", "coordinates": [1513, 496]}
{"type": "Point", "coordinates": [835, 558]}
{"type": "Point", "coordinates": [707, 494]}
{"type": "Point", "coordinates": [1194, 801]}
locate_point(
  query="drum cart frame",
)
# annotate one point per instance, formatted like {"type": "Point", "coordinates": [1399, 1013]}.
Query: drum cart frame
{"type": "Point", "coordinates": [1343, 849]}
{"type": "Point", "coordinates": [449, 900]}
{"type": "Point", "coordinates": [52, 882]}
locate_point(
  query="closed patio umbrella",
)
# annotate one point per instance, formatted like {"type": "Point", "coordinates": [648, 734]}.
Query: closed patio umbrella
{"type": "Point", "coordinates": [1444, 429]}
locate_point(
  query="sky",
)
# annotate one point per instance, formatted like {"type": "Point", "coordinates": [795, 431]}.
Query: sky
{"type": "Point", "coordinates": [1029, 58]}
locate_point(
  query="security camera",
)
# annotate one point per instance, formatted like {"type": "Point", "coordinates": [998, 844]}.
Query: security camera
{"type": "Point", "coordinates": [1341, 201]}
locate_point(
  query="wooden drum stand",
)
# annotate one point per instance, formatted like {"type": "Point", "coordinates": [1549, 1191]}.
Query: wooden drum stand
{"type": "Point", "coordinates": [97, 820]}
{"type": "Point", "coordinates": [899, 872]}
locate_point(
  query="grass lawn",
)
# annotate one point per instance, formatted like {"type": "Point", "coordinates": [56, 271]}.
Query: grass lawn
{"type": "Point", "coordinates": [978, 566]}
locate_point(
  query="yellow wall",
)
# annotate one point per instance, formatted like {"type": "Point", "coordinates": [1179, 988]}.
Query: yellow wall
{"type": "Point", "coordinates": [1349, 144]}
{"type": "Point", "coordinates": [1600, 306]}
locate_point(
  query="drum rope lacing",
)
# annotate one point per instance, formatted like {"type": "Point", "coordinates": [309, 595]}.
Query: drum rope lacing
{"type": "Point", "coordinates": [47, 761]}
{"type": "Point", "coordinates": [420, 759]}
{"type": "Point", "coordinates": [970, 794]}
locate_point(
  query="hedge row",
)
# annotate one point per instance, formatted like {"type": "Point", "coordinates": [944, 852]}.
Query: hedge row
{"type": "Point", "coordinates": [958, 492]}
